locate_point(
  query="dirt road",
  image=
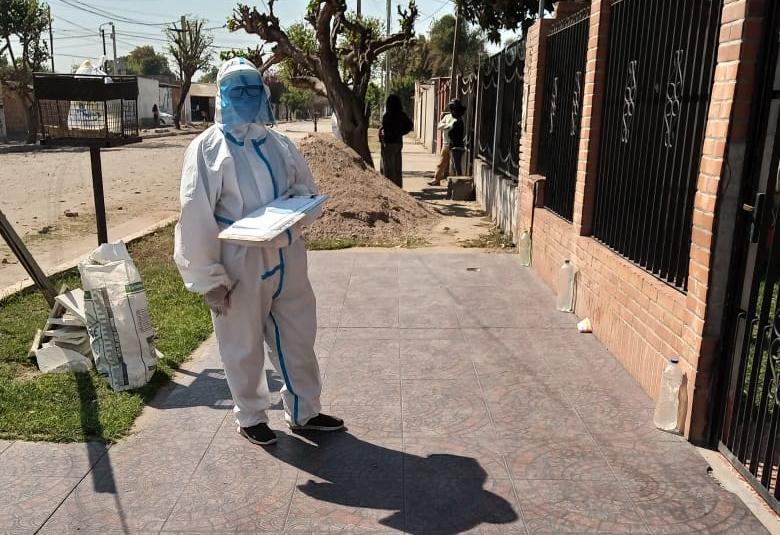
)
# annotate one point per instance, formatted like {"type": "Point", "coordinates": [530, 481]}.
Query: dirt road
{"type": "Point", "coordinates": [141, 184]}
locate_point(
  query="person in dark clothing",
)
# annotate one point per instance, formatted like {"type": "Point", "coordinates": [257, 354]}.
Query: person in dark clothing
{"type": "Point", "coordinates": [395, 125]}
{"type": "Point", "coordinates": [455, 135]}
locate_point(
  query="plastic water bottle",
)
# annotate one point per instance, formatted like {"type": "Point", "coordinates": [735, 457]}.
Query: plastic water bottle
{"type": "Point", "coordinates": [565, 302]}
{"type": "Point", "coordinates": [524, 248]}
{"type": "Point", "coordinates": [668, 405]}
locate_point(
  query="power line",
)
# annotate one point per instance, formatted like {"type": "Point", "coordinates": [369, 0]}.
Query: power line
{"type": "Point", "coordinates": [93, 10]}
{"type": "Point", "coordinates": [435, 12]}
{"type": "Point", "coordinates": [63, 19]}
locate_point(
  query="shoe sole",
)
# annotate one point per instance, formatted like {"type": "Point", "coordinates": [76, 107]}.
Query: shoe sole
{"type": "Point", "coordinates": [258, 442]}
{"type": "Point", "coordinates": [315, 428]}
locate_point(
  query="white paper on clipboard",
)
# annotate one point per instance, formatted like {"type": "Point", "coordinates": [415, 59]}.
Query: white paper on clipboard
{"type": "Point", "coordinates": [267, 222]}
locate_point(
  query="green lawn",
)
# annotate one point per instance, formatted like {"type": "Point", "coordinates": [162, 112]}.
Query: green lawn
{"type": "Point", "coordinates": [76, 407]}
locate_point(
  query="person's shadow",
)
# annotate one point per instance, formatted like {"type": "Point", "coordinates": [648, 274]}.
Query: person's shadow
{"type": "Point", "coordinates": [441, 492]}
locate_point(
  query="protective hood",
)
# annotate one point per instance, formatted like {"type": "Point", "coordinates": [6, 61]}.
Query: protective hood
{"type": "Point", "coordinates": [242, 97]}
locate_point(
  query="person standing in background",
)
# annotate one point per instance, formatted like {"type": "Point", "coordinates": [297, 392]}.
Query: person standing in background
{"type": "Point", "coordinates": [395, 125]}
{"type": "Point", "coordinates": [443, 168]}
{"type": "Point", "coordinates": [456, 137]}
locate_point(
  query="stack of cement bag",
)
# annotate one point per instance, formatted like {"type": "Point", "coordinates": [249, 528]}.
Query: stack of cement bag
{"type": "Point", "coordinates": [63, 344]}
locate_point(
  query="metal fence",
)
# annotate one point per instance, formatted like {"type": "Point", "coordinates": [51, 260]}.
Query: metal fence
{"type": "Point", "coordinates": [659, 78]}
{"type": "Point", "coordinates": [564, 80]}
{"type": "Point", "coordinates": [467, 93]}
{"type": "Point", "coordinates": [499, 88]}
{"type": "Point", "coordinates": [510, 103]}
{"type": "Point", "coordinates": [488, 83]}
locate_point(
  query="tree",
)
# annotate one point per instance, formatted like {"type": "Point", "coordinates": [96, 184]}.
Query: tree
{"type": "Point", "coordinates": [190, 47]}
{"type": "Point", "coordinates": [413, 60]}
{"type": "Point", "coordinates": [23, 23]}
{"type": "Point", "coordinates": [144, 60]}
{"type": "Point", "coordinates": [345, 48]}
{"type": "Point", "coordinates": [255, 55]}
{"type": "Point", "coordinates": [498, 15]}
{"type": "Point", "coordinates": [470, 46]}
{"type": "Point", "coordinates": [298, 99]}
{"type": "Point", "coordinates": [210, 76]}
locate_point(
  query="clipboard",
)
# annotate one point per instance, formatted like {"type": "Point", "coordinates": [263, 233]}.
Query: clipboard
{"type": "Point", "coordinates": [269, 221]}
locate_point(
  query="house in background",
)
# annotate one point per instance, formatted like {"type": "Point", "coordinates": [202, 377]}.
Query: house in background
{"type": "Point", "coordinates": [202, 102]}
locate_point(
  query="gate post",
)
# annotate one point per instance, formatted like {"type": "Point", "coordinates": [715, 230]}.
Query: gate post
{"type": "Point", "coordinates": [718, 205]}
{"type": "Point", "coordinates": [530, 129]}
{"type": "Point", "coordinates": [592, 108]}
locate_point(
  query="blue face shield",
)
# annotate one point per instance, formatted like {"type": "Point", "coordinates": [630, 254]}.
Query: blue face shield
{"type": "Point", "coordinates": [242, 98]}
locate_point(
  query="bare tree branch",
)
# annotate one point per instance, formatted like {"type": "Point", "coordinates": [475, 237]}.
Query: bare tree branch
{"type": "Point", "coordinates": [267, 27]}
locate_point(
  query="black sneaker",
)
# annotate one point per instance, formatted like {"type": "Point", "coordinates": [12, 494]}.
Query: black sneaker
{"type": "Point", "coordinates": [259, 434]}
{"type": "Point", "coordinates": [321, 422]}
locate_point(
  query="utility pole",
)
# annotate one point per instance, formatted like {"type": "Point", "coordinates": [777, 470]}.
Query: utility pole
{"type": "Point", "coordinates": [455, 58]}
{"type": "Point", "coordinates": [103, 37]}
{"type": "Point", "coordinates": [541, 9]}
{"type": "Point", "coordinates": [113, 38]}
{"type": "Point", "coordinates": [358, 8]}
{"type": "Point", "coordinates": [387, 56]}
{"type": "Point", "coordinates": [51, 40]}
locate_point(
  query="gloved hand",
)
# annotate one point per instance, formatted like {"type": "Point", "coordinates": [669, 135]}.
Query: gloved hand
{"type": "Point", "coordinates": [218, 300]}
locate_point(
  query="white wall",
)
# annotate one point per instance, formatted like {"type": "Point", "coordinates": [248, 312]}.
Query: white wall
{"type": "Point", "coordinates": [497, 195]}
{"type": "Point", "coordinates": [166, 99]}
{"type": "Point", "coordinates": [424, 114]}
{"type": "Point", "coordinates": [148, 96]}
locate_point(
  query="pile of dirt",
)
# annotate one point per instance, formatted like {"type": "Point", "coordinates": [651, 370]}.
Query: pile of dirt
{"type": "Point", "coordinates": [364, 206]}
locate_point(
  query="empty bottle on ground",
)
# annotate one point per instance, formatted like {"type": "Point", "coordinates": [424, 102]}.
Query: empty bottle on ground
{"type": "Point", "coordinates": [565, 301]}
{"type": "Point", "coordinates": [667, 408]}
{"type": "Point", "coordinates": [524, 248]}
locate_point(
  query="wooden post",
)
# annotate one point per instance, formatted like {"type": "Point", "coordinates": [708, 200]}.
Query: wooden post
{"type": "Point", "coordinates": [97, 189]}
{"type": "Point", "coordinates": [30, 265]}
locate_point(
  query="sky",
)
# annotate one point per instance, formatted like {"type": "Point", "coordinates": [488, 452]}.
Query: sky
{"type": "Point", "coordinates": [140, 22]}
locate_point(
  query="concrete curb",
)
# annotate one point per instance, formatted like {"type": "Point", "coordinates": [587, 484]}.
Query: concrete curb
{"type": "Point", "coordinates": [70, 264]}
{"type": "Point", "coordinates": [12, 149]}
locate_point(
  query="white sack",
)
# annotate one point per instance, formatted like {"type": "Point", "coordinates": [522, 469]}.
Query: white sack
{"type": "Point", "coordinates": [120, 330]}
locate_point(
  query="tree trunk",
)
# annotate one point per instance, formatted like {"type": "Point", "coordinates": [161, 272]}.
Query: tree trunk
{"type": "Point", "coordinates": [31, 120]}
{"type": "Point", "coordinates": [353, 124]}
{"type": "Point", "coordinates": [185, 90]}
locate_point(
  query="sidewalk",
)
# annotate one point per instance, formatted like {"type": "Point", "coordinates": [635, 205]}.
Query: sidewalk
{"type": "Point", "coordinates": [471, 405]}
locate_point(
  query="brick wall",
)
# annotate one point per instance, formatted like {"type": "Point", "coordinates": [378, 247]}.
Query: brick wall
{"type": "Point", "coordinates": [640, 319]}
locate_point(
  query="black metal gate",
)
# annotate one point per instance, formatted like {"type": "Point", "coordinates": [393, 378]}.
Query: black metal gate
{"type": "Point", "coordinates": [659, 78]}
{"type": "Point", "coordinates": [564, 82]}
{"type": "Point", "coordinates": [750, 431]}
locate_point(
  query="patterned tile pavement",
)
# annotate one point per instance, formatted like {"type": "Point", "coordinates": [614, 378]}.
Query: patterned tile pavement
{"type": "Point", "coordinates": [472, 407]}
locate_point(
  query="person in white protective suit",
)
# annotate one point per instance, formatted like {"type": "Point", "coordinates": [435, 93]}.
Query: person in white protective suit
{"type": "Point", "coordinates": [255, 294]}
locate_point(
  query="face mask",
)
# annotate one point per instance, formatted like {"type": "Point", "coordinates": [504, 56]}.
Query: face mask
{"type": "Point", "coordinates": [242, 98]}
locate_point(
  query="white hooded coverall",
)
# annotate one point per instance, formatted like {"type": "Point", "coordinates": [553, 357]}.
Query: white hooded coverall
{"type": "Point", "coordinates": [230, 170]}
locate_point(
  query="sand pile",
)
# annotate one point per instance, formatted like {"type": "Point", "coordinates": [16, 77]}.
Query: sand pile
{"type": "Point", "coordinates": [363, 206]}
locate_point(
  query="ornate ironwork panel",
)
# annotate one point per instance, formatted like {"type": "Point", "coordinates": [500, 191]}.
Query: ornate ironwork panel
{"type": "Point", "coordinates": [509, 109]}
{"type": "Point", "coordinates": [489, 79]}
{"type": "Point", "coordinates": [660, 68]}
{"type": "Point", "coordinates": [467, 93]}
{"type": "Point", "coordinates": [563, 82]}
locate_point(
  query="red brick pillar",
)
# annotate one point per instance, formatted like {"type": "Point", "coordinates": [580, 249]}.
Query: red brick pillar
{"type": "Point", "coordinates": [592, 107]}
{"type": "Point", "coordinates": [724, 148]}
